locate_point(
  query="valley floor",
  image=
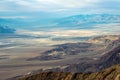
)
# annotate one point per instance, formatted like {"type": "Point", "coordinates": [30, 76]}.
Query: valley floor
{"type": "Point", "coordinates": [14, 61]}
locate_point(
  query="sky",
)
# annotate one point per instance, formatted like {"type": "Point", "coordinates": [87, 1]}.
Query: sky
{"type": "Point", "coordinates": [56, 8]}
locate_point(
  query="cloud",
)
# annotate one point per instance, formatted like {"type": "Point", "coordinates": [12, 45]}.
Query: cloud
{"type": "Point", "coordinates": [45, 9]}
{"type": "Point", "coordinates": [13, 17]}
{"type": "Point", "coordinates": [58, 5]}
{"type": "Point", "coordinates": [61, 33]}
{"type": "Point", "coordinates": [55, 4]}
{"type": "Point", "coordinates": [53, 37]}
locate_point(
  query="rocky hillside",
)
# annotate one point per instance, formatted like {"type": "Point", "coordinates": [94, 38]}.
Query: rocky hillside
{"type": "Point", "coordinates": [107, 49]}
{"type": "Point", "coordinates": [112, 73]}
{"type": "Point", "coordinates": [104, 39]}
{"type": "Point", "coordinates": [94, 45]}
{"type": "Point", "coordinates": [108, 59]}
{"type": "Point", "coordinates": [60, 51]}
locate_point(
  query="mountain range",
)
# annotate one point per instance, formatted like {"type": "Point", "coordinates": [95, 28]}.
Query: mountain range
{"type": "Point", "coordinates": [80, 21]}
{"type": "Point", "coordinates": [6, 29]}
{"type": "Point", "coordinates": [85, 21]}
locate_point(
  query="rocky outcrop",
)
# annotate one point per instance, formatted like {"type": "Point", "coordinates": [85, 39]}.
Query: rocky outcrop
{"type": "Point", "coordinates": [110, 58]}
{"type": "Point", "coordinates": [60, 51]}
{"type": "Point", "coordinates": [112, 73]}
{"type": "Point", "coordinates": [106, 39]}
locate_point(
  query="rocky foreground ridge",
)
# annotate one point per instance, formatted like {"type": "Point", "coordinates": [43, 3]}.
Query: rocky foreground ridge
{"type": "Point", "coordinates": [112, 73]}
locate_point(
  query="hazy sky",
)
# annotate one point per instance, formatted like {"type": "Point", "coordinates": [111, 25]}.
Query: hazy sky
{"type": "Point", "coordinates": [21, 8]}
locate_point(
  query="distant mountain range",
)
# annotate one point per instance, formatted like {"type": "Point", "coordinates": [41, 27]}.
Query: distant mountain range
{"type": "Point", "coordinates": [85, 20]}
{"type": "Point", "coordinates": [14, 22]}
{"type": "Point", "coordinates": [81, 21]}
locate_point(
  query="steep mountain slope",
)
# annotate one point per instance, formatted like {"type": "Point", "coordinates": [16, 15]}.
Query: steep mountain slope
{"type": "Point", "coordinates": [109, 58]}
{"type": "Point", "coordinates": [112, 73]}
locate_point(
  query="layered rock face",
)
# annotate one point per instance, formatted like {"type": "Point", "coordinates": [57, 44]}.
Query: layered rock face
{"type": "Point", "coordinates": [112, 73]}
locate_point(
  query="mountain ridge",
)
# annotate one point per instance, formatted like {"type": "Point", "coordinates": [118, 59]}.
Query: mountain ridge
{"type": "Point", "coordinates": [112, 73]}
{"type": "Point", "coordinates": [90, 19]}
{"type": "Point", "coordinates": [6, 29]}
